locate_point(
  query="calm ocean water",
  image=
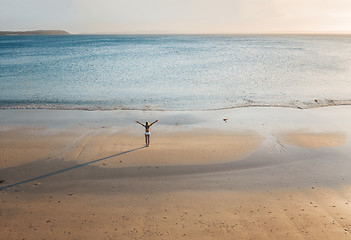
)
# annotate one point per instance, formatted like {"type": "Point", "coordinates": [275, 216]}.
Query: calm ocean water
{"type": "Point", "coordinates": [173, 72]}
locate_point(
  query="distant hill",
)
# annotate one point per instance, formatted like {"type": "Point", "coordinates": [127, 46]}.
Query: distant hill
{"type": "Point", "coordinates": [37, 32]}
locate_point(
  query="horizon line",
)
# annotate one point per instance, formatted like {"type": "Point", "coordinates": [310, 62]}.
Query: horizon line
{"type": "Point", "coordinates": [195, 33]}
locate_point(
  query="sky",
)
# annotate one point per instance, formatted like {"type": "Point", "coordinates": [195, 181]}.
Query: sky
{"type": "Point", "coordinates": [177, 16]}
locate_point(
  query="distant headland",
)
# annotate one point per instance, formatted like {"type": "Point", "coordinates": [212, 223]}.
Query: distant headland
{"type": "Point", "coordinates": [36, 32]}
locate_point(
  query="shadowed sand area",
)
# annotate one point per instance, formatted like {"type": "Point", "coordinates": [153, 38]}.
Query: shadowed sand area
{"type": "Point", "coordinates": [87, 175]}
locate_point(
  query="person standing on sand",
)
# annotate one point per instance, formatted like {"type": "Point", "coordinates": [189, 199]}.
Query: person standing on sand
{"type": "Point", "coordinates": [147, 131]}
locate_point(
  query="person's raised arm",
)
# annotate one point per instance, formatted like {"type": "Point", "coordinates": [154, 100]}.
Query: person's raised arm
{"type": "Point", "coordinates": [153, 123]}
{"type": "Point", "coordinates": [140, 123]}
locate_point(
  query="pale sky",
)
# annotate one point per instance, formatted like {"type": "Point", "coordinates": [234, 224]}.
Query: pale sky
{"type": "Point", "coordinates": [177, 16]}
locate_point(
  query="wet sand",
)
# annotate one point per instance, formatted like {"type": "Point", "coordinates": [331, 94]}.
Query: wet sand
{"type": "Point", "coordinates": [314, 140]}
{"type": "Point", "coordinates": [186, 148]}
{"type": "Point", "coordinates": [265, 174]}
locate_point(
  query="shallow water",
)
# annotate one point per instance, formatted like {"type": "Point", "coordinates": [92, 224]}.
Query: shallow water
{"type": "Point", "coordinates": [174, 72]}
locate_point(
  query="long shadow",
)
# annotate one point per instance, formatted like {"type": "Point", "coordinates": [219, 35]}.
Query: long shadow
{"type": "Point", "coordinates": [67, 169]}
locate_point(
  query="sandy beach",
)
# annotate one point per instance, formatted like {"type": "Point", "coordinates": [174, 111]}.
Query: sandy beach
{"type": "Point", "coordinates": [265, 173]}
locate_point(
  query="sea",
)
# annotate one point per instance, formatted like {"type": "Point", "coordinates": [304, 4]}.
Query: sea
{"type": "Point", "coordinates": [174, 72]}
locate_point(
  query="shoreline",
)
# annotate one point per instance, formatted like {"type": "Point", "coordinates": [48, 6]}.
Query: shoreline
{"type": "Point", "coordinates": [294, 105]}
{"type": "Point", "coordinates": [238, 119]}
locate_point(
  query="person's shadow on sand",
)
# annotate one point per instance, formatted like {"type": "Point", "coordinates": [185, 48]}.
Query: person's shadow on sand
{"type": "Point", "coordinates": [68, 169]}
